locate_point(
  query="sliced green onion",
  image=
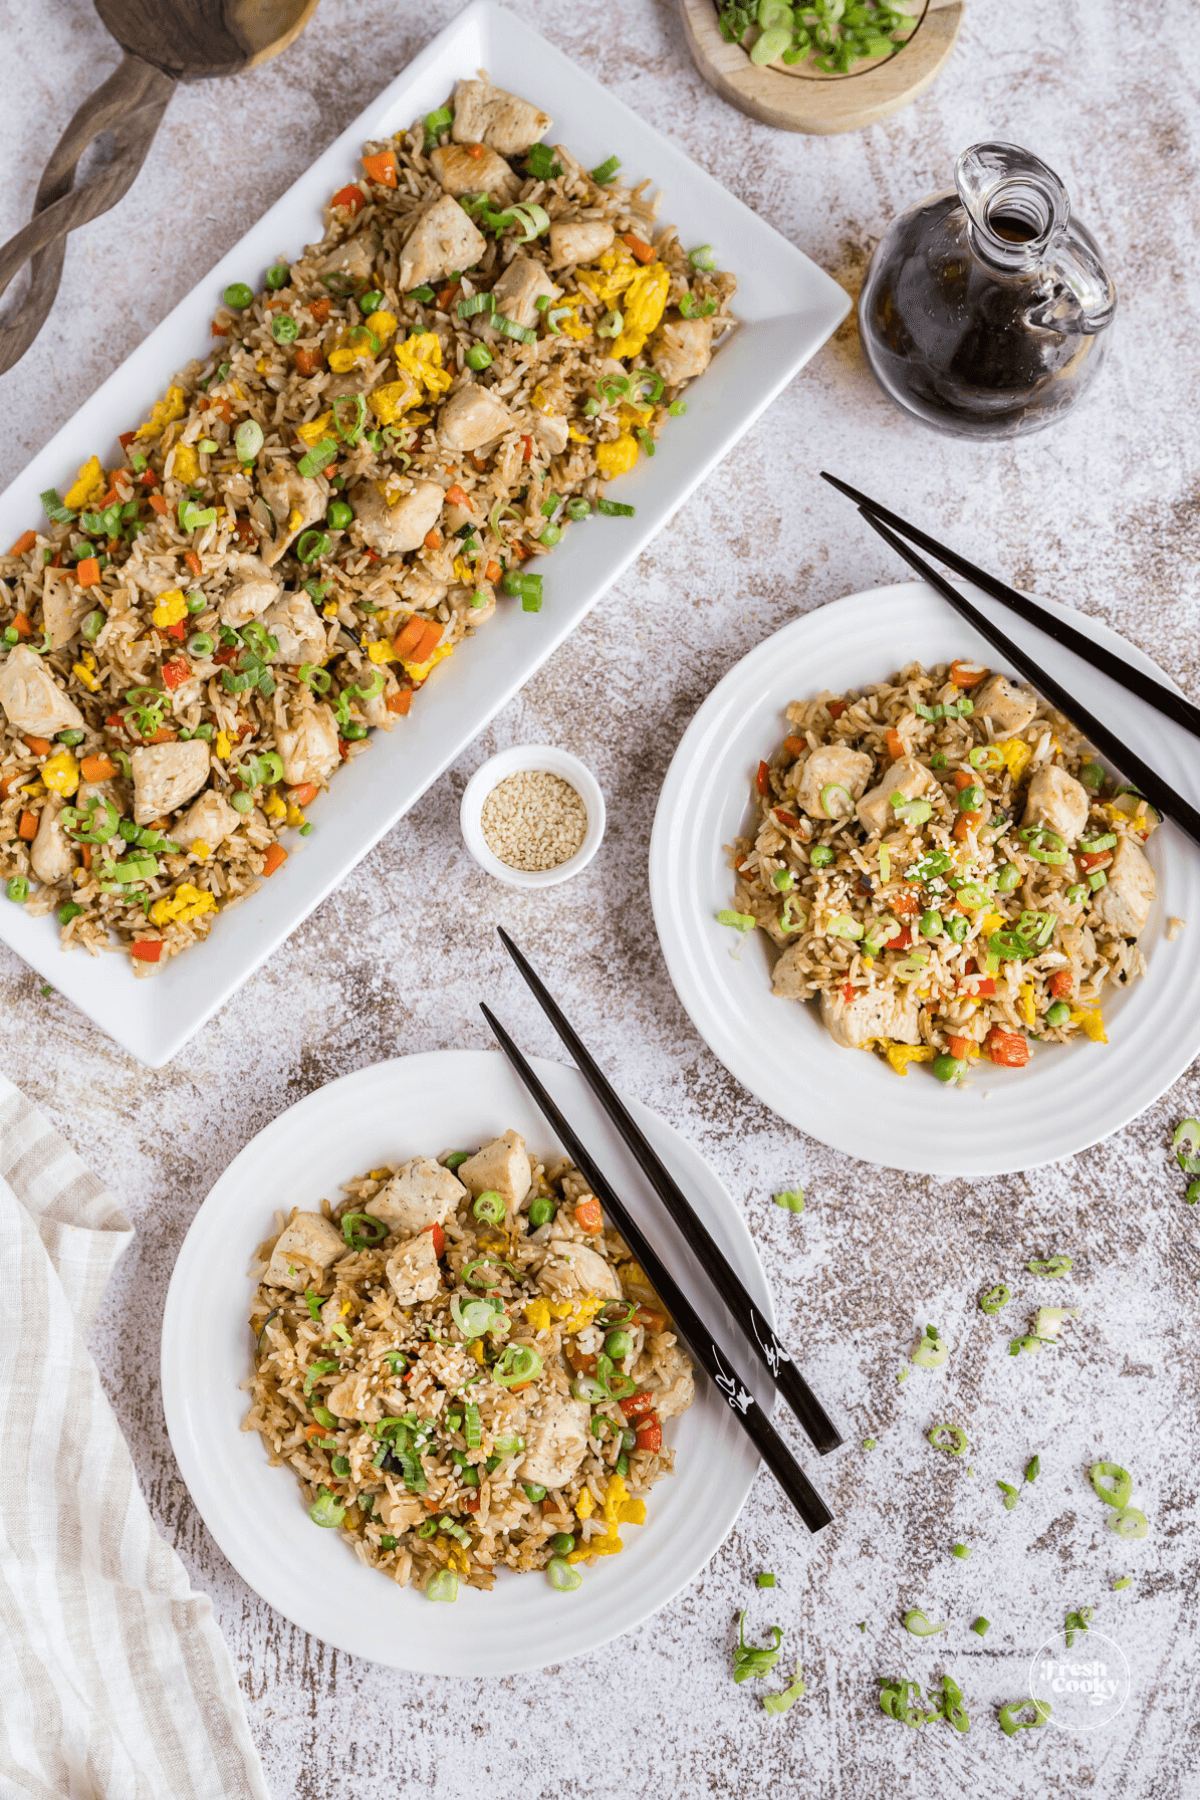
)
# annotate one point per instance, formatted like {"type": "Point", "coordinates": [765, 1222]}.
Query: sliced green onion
{"type": "Point", "coordinates": [932, 1350]}
{"type": "Point", "coordinates": [1112, 1483]}
{"type": "Point", "coordinates": [54, 509]}
{"type": "Point", "coordinates": [489, 1206]}
{"type": "Point", "coordinates": [542, 164]}
{"type": "Point", "coordinates": [523, 333]}
{"type": "Point", "coordinates": [478, 303]}
{"type": "Point", "coordinates": [563, 1577]}
{"type": "Point", "coordinates": [962, 1551]}
{"type": "Point", "coordinates": [844, 927]}
{"type": "Point", "coordinates": [982, 1626]}
{"type": "Point", "coordinates": [1056, 1265]}
{"type": "Point", "coordinates": [326, 1510]}
{"type": "Point", "coordinates": [444, 1586]}
{"type": "Point", "coordinates": [957, 1438]}
{"type": "Point", "coordinates": [611, 325]}
{"type": "Point", "coordinates": [318, 458]}
{"type": "Point", "coordinates": [1011, 1723]}
{"type": "Point", "coordinates": [916, 1622]}
{"type": "Point", "coordinates": [1010, 1493]}
{"type": "Point", "coordinates": [995, 1298]}
{"type": "Point", "coordinates": [193, 517]}
{"type": "Point", "coordinates": [519, 1363]}
{"type": "Point", "coordinates": [828, 791]}
{"type": "Point", "coordinates": [1122, 1581]}
{"type": "Point", "coordinates": [703, 257]}
{"type": "Point", "coordinates": [614, 509]}
{"type": "Point", "coordinates": [791, 1199]}
{"type": "Point", "coordinates": [248, 440]}
{"type": "Point", "coordinates": [606, 170]}
{"type": "Point", "coordinates": [1033, 1468]}
{"type": "Point", "coordinates": [313, 544]}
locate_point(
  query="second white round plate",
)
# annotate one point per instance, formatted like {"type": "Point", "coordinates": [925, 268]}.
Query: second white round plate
{"type": "Point", "coordinates": [427, 1104]}
{"type": "Point", "coordinates": [1004, 1119]}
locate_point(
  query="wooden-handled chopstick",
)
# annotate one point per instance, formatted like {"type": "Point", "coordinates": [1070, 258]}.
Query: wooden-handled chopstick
{"type": "Point", "coordinates": [1152, 785]}
{"type": "Point", "coordinates": [774, 1356]}
{"type": "Point", "coordinates": [713, 1359]}
{"type": "Point", "coordinates": [1172, 705]}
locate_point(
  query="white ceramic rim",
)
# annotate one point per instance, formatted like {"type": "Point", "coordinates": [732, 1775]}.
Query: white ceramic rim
{"type": "Point", "coordinates": [1005, 1120]}
{"type": "Point", "coordinates": [529, 757]}
{"type": "Point", "coordinates": [391, 1110]}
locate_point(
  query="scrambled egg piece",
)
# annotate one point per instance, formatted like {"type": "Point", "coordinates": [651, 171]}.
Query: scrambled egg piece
{"type": "Point", "coordinates": [1092, 1024]}
{"type": "Point", "coordinates": [87, 676]}
{"type": "Point", "coordinates": [223, 745]}
{"type": "Point", "coordinates": [381, 651]}
{"type": "Point", "coordinates": [201, 849]}
{"type": "Point", "coordinates": [585, 1506]}
{"type": "Point", "coordinates": [317, 429]}
{"type": "Point", "coordinates": [619, 1509]}
{"type": "Point", "coordinates": [186, 466]}
{"type": "Point", "coordinates": [61, 773]}
{"type": "Point", "coordinates": [87, 486]}
{"type": "Point", "coordinates": [169, 608]}
{"type": "Point", "coordinates": [900, 1055]}
{"type": "Point", "coordinates": [163, 413]}
{"type": "Point", "coordinates": [274, 807]}
{"type": "Point", "coordinates": [538, 1314]}
{"type": "Point", "coordinates": [613, 273]}
{"type": "Point", "coordinates": [574, 326]}
{"type": "Point", "coordinates": [186, 904]}
{"type": "Point", "coordinates": [1016, 754]}
{"type": "Point", "coordinates": [419, 671]}
{"type": "Point", "coordinates": [1027, 1006]}
{"type": "Point", "coordinates": [383, 324]}
{"type": "Point", "coordinates": [645, 304]}
{"type": "Point", "coordinates": [617, 457]}
{"type": "Point", "coordinates": [576, 1315]}
{"type": "Point", "coordinates": [419, 361]}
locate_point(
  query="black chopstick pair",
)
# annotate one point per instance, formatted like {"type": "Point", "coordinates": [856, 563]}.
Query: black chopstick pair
{"type": "Point", "coordinates": [712, 1356]}
{"type": "Point", "coordinates": [1173, 706]}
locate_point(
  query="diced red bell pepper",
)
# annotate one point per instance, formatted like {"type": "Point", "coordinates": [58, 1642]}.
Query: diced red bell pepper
{"type": "Point", "coordinates": [176, 672]}
{"type": "Point", "coordinates": [1098, 859]}
{"type": "Point", "coordinates": [906, 902]}
{"type": "Point", "coordinates": [903, 941]}
{"type": "Point", "coordinates": [227, 655]}
{"type": "Point", "coordinates": [351, 196]}
{"type": "Point", "coordinates": [528, 451]}
{"type": "Point", "coordinates": [126, 438]}
{"type": "Point", "coordinates": [848, 991]}
{"type": "Point", "coordinates": [836, 708]}
{"type": "Point", "coordinates": [785, 818]}
{"type": "Point", "coordinates": [147, 949]}
{"type": "Point", "coordinates": [637, 1404]}
{"type": "Point", "coordinates": [439, 1238]}
{"type": "Point", "coordinates": [649, 1433]}
{"type": "Point", "coordinates": [762, 780]}
{"type": "Point", "coordinates": [1007, 1048]}
{"type": "Point", "coordinates": [1061, 983]}
{"type": "Point", "coordinates": [469, 1502]}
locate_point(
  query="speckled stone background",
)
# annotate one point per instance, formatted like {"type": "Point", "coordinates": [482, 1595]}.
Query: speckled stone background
{"type": "Point", "coordinates": [1102, 512]}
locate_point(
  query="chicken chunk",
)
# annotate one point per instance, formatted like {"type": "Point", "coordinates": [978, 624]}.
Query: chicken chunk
{"type": "Point", "coordinates": [873, 1015]}
{"type": "Point", "coordinates": [413, 1270]}
{"type": "Point", "coordinates": [309, 748]}
{"type": "Point", "coordinates": [65, 605]}
{"type": "Point", "coordinates": [296, 502]}
{"type": "Point", "coordinates": [393, 529]}
{"type": "Point", "coordinates": [1009, 707]}
{"type": "Point", "coordinates": [682, 349]}
{"type": "Point", "coordinates": [789, 978]}
{"type": "Point", "coordinates": [571, 1268]}
{"type": "Point", "coordinates": [304, 1249]}
{"type": "Point", "coordinates": [556, 1442]}
{"type": "Point", "coordinates": [51, 854]}
{"type": "Point", "coordinates": [579, 240]}
{"type": "Point", "coordinates": [165, 776]}
{"type": "Point", "coordinates": [442, 239]}
{"type": "Point", "coordinates": [254, 589]}
{"type": "Point", "coordinates": [32, 699]}
{"type": "Point", "coordinates": [501, 1167]}
{"type": "Point", "coordinates": [295, 625]}
{"type": "Point", "coordinates": [677, 1385]}
{"type": "Point", "coordinates": [472, 417]}
{"type": "Point", "coordinates": [419, 1195]}
{"type": "Point", "coordinates": [356, 258]}
{"type": "Point", "coordinates": [401, 1515]}
{"type": "Point", "coordinates": [208, 820]}
{"type": "Point", "coordinates": [475, 170]}
{"type": "Point", "coordinates": [484, 114]}
{"type": "Point", "coordinates": [1124, 903]}
{"type": "Point", "coordinates": [552, 433]}
{"type": "Point", "coordinates": [351, 1398]}
{"type": "Point", "coordinates": [833, 765]}
{"type": "Point", "coordinates": [908, 777]}
{"type": "Point", "coordinates": [520, 287]}
{"type": "Point", "coordinates": [1057, 800]}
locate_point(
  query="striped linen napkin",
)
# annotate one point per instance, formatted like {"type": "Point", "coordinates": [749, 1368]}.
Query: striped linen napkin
{"type": "Point", "coordinates": [115, 1683]}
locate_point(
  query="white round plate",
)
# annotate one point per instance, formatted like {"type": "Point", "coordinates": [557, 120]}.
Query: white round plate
{"type": "Point", "coordinates": [1068, 1096]}
{"type": "Point", "coordinates": [427, 1104]}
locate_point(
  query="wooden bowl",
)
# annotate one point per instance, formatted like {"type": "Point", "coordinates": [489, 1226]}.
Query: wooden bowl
{"type": "Point", "coordinates": [802, 98]}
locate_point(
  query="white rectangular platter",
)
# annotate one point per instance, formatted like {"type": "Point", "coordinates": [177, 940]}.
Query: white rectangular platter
{"type": "Point", "coordinates": [788, 308]}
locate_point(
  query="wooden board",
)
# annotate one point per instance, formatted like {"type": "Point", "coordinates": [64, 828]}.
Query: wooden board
{"type": "Point", "coordinates": [802, 98]}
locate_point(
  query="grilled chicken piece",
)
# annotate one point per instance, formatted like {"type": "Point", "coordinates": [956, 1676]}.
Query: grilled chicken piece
{"type": "Point", "coordinates": [253, 591]}
{"type": "Point", "coordinates": [393, 529]}
{"type": "Point", "coordinates": [51, 854]}
{"type": "Point", "coordinates": [294, 623]}
{"type": "Point", "coordinates": [165, 776]}
{"type": "Point", "coordinates": [419, 1195]}
{"type": "Point", "coordinates": [305, 1248]}
{"type": "Point", "coordinates": [519, 288]}
{"type": "Point", "coordinates": [64, 607]}
{"type": "Point", "coordinates": [1009, 707]}
{"type": "Point", "coordinates": [296, 502]}
{"type": "Point", "coordinates": [682, 349]}
{"type": "Point", "coordinates": [1124, 903]}
{"type": "Point", "coordinates": [833, 765]}
{"type": "Point", "coordinates": [907, 776]}
{"type": "Point", "coordinates": [502, 1167]}
{"type": "Point", "coordinates": [571, 1268]}
{"type": "Point", "coordinates": [355, 258]}
{"type": "Point", "coordinates": [413, 1270]}
{"type": "Point", "coordinates": [484, 114]}
{"type": "Point", "coordinates": [32, 699]}
{"type": "Point", "coordinates": [443, 238]}
{"type": "Point", "coordinates": [309, 749]}
{"type": "Point", "coordinates": [579, 240]}
{"type": "Point", "coordinates": [208, 820]}
{"type": "Point", "coordinates": [474, 169]}
{"type": "Point", "coordinates": [557, 1442]}
{"type": "Point", "coordinates": [872, 1016]}
{"type": "Point", "coordinates": [1055, 799]}
{"type": "Point", "coordinates": [472, 417]}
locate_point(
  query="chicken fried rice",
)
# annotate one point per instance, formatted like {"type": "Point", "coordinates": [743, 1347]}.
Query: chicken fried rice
{"type": "Point", "coordinates": [946, 868]}
{"type": "Point", "coordinates": [315, 515]}
{"type": "Point", "coordinates": [465, 1369]}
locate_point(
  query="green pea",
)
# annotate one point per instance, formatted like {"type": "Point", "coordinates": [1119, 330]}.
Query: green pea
{"type": "Point", "coordinates": [339, 514]}
{"type": "Point", "coordinates": [618, 1344]}
{"type": "Point", "coordinates": [204, 731]}
{"type": "Point", "coordinates": [18, 889]}
{"type": "Point", "coordinates": [70, 738]}
{"type": "Point", "coordinates": [196, 603]}
{"type": "Point", "coordinates": [534, 1491]}
{"type": "Point", "coordinates": [238, 296]}
{"type": "Point", "coordinates": [353, 733]}
{"type": "Point", "coordinates": [542, 1211]}
{"type": "Point", "coordinates": [562, 1543]}
{"type": "Point", "coordinates": [469, 1477]}
{"type": "Point", "coordinates": [579, 508]}
{"type": "Point", "coordinates": [479, 357]}
{"type": "Point", "coordinates": [1008, 878]}
{"type": "Point", "coordinates": [930, 923]}
{"type": "Point", "coordinates": [821, 857]}
{"type": "Point", "coordinates": [241, 802]}
{"type": "Point", "coordinates": [948, 1068]}
{"type": "Point", "coordinates": [278, 276]}
{"type": "Point", "coordinates": [370, 302]}
{"type": "Point", "coordinates": [71, 910]}
{"type": "Point", "coordinates": [1059, 1013]}
{"type": "Point", "coordinates": [958, 929]}
{"type": "Point", "coordinates": [284, 329]}
{"type": "Point", "coordinates": [970, 800]}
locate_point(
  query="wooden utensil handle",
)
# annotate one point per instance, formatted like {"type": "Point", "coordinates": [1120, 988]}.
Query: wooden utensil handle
{"type": "Point", "coordinates": [129, 104]}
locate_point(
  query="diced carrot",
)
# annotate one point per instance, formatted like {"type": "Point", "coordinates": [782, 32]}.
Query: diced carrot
{"type": "Point", "coordinates": [176, 672]}
{"type": "Point", "coordinates": [638, 1403]}
{"type": "Point", "coordinates": [528, 448]}
{"type": "Point", "coordinates": [848, 991]}
{"type": "Point", "coordinates": [39, 745]}
{"type": "Point", "coordinates": [429, 642]}
{"type": "Point", "coordinates": [475, 151]}
{"type": "Point", "coordinates": [219, 330]}
{"type": "Point", "coordinates": [588, 1216]}
{"type": "Point", "coordinates": [192, 559]}
{"type": "Point", "coordinates": [762, 780]}
{"type": "Point", "coordinates": [158, 503]}
{"type": "Point", "coordinates": [351, 196]}
{"type": "Point", "coordinates": [967, 675]}
{"type": "Point", "coordinates": [446, 295]}
{"type": "Point", "coordinates": [650, 1319]}
{"type": "Point", "coordinates": [520, 552]}
{"type": "Point", "coordinates": [906, 903]}
{"type": "Point", "coordinates": [649, 1433]}
{"type": "Point", "coordinates": [408, 637]}
{"type": "Point", "coordinates": [110, 498]}
{"type": "Point", "coordinates": [147, 949]}
{"type": "Point", "coordinates": [307, 361]}
{"type": "Point", "coordinates": [88, 571]}
{"type": "Point", "coordinates": [224, 408]}
{"type": "Point", "coordinates": [98, 767]}
{"type": "Point", "coordinates": [836, 708]}
{"type": "Point", "coordinates": [399, 703]}
{"type": "Point", "coordinates": [965, 822]}
{"type": "Point", "coordinates": [87, 855]}
{"type": "Point", "coordinates": [895, 745]}
{"type": "Point", "coordinates": [320, 309]}
{"type": "Point", "coordinates": [381, 167]}
{"type": "Point", "coordinates": [25, 542]}
{"type": "Point", "coordinates": [457, 497]}
{"type": "Point", "coordinates": [304, 793]}
{"type": "Point", "coordinates": [638, 247]}
{"type": "Point", "coordinates": [28, 827]}
{"type": "Point", "coordinates": [433, 540]}
{"type": "Point", "coordinates": [795, 746]}
{"type": "Point", "coordinates": [963, 778]}
{"type": "Point", "coordinates": [1061, 983]}
{"type": "Point", "coordinates": [314, 1433]}
{"type": "Point", "coordinates": [479, 461]}
{"type": "Point", "coordinates": [492, 572]}
{"type": "Point", "coordinates": [22, 625]}
{"type": "Point", "coordinates": [581, 1361]}
{"type": "Point", "coordinates": [1007, 1048]}
{"type": "Point", "coordinates": [1097, 859]}
{"type": "Point", "coordinates": [957, 1045]}
{"type": "Point", "coordinates": [126, 438]}
{"type": "Point", "coordinates": [274, 859]}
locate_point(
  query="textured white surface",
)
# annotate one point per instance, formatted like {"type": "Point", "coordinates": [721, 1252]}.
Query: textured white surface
{"type": "Point", "coordinates": [1101, 512]}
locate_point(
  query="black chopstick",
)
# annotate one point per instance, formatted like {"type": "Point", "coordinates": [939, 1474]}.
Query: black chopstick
{"type": "Point", "coordinates": [1164, 699]}
{"type": "Point", "coordinates": [774, 1356]}
{"type": "Point", "coordinates": [686, 1320]}
{"type": "Point", "coordinates": [1150, 784]}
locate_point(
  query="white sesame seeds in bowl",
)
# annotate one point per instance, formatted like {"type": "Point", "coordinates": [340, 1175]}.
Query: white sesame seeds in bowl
{"type": "Point", "coordinates": [533, 816]}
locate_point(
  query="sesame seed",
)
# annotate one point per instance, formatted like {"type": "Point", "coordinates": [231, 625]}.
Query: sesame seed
{"type": "Point", "coordinates": [534, 820]}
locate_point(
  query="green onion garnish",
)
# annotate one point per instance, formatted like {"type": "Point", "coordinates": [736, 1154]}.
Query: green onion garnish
{"type": "Point", "coordinates": [437, 122]}
{"type": "Point", "coordinates": [542, 164]}
{"type": "Point", "coordinates": [982, 1626]}
{"type": "Point", "coordinates": [750, 1660]}
{"type": "Point", "coordinates": [1011, 1494]}
{"type": "Point", "coordinates": [766, 1579]}
{"type": "Point", "coordinates": [1011, 1723]}
{"type": "Point", "coordinates": [193, 517]}
{"type": "Point", "coordinates": [1056, 1265]}
{"type": "Point", "coordinates": [478, 303]}
{"type": "Point", "coordinates": [318, 458]}
{"type": "Point", "coordinates": [489, 1206]}
{"type": "Point", "coordinates": [606, 170]}
{"type": "Point", "coordinates": [615, 509]}
{"type": "Point", "coordinates": [739, 921]}
{"type": "Point", "coordinates": [916, 1622]}
{"type": "Point", "coordinates": [995, 1298]}
{"type": "Point", "coordinates": [326, 1510]}
{"type": "Point", "coordinates": [248, 440]}
{"type": "Point", "coordinates": [962, 1551]}
{"type": "Point", "coordinates": [957, 1442]}
{"type": "Point", "coordinates": [563, 1577]}
{"type": "Point", "coordinates": [791, 1199]}
{"type": "Point", "coordinates": [444, 1586]}
{"type": "Point", "coordinates": [1122, 1581]}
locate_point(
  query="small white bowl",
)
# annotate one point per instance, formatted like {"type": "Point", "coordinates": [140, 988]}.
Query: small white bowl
{"type": "Point", "coordinates": [522, 758]}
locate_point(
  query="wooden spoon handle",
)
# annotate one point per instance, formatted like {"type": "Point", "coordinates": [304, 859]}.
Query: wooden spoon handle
{"type": "Point", "coordinates": [129, 104]}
